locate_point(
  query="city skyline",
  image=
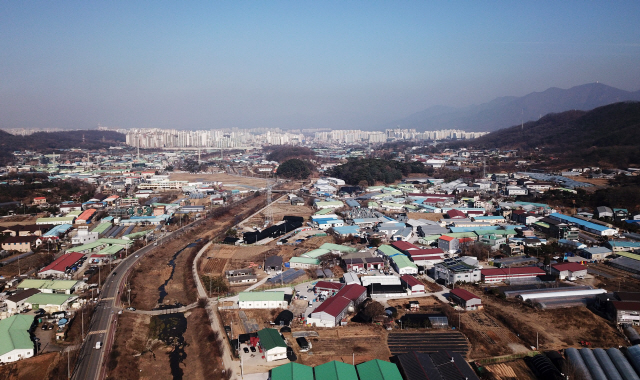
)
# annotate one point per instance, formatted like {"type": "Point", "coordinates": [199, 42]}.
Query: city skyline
{"type": "Point", "coordinates": [291, 65]}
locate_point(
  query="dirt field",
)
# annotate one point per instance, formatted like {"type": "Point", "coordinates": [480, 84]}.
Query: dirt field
{"type": "Point", "coordinates": [488, 336]}
{"type": "Point", "coordinates": [18, 219]}
{"type": "Point", "coordinates": [557, 329]}
{"type": "Point", "coordinates": [28, 369]}
{"type": "Point", "coordinates": [35, 261]}
{"type": "Point", "coordinates": [598, 182]}
{"type": "Point", "coordinates": [617, 280]}
{"type": "Point", "coordinates": [130, 347]}
{"type": "Point", "coordinates": [279, 210]}
{"type": "Point", "coordinates": [340, 344]}
{"type": "Point", "coordinates": [221, 257]}
{"type": "Point", "coordinates": [228, 181]}
{"type": "Point", "coordinates": [425, 215]}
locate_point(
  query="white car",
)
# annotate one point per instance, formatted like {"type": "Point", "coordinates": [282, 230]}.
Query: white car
{"type": "Point", "coordinates": [98, 345]}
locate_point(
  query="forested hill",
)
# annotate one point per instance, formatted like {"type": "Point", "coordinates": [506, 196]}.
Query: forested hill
{"type": "Point", "coordinates": [605, 136]}
{"type": "Point", "coordinates": [47, 141]}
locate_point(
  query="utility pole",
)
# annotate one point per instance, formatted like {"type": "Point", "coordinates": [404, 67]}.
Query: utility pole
{"type": "Point", "coordinates": [129, 295]}
{"type": "Point", "coordinates": [83, 324]}
{"type": "Point", "coordinates": [68, 367]}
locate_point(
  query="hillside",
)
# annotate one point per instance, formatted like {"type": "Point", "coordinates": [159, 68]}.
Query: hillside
{"type": "Point", "coordinates": [605, 136]}
{"type": "Point", "coordinates": [48, 141]}
{"type": "Point", "coordinates": [506, 111]}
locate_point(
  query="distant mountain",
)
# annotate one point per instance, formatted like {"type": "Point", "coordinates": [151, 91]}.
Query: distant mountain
{"type": "Point", "coordinates": [605, 136]}
{"type": "Point", "coordinates": [47, 141]}
{"type": "Point", "coordinates": [510, 110]}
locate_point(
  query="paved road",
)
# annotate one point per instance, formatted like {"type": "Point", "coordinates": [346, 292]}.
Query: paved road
{"type": "Point", "coordinates": [91, 363]}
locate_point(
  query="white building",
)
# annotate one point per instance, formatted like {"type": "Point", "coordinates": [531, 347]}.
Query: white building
{"type": "Point", "coordinates": [262, 300]}
{"type": "Point", "coordinates": [15, 339]}
{"type": "Point", "coordinates": [84, 236]}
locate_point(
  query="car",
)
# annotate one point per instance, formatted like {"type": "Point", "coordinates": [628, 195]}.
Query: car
{"type": "Point", "coordinates": [98, 345]}
{"type": "Point", "coordinates": [246, 350]}
{"type": "Point", "coordinates": [253, 349]}
{"type": "Point", "coordinates": [114, 273]}
{"type": "Point", "coordinates": [131, 308]}
{"type": "Point", "coordinates": [137, 255]}
{"type": "Point", "coordinates": [44, 326]}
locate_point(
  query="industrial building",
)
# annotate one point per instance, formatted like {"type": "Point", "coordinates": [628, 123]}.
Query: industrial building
{"type": "Point", "coordinates": [457, 270]}
{"type": "Point", "coordinates": [568, 271]}
{"type": "Point", "coordinates": [262, 300]}
{"type": "Point", "coordinates": [15, 338]}
{"type": "Point", "coordinates": [466, 299]}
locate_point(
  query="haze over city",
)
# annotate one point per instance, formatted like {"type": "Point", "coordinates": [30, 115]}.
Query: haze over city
{"type": "Point", "coordinates": [202, 65]}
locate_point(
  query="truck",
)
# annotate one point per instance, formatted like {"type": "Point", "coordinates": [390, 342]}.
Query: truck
{"type": "Point", "coordinates": [98, 345]}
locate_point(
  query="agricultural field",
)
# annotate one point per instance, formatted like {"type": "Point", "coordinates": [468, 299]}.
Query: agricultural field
{"type": "Point", "coordinates": [553, 328]}
{"type": "Point", "coordinates": [412, 340]}
{"type": "Point", "coordinates": [228, 181]}
{"type": "Point", "coordinates": [341, 344]}
{"type": "Point", "coordinates": [37, 367]}
{"type": "Point", "coordinates": [281, 209]}
{"type": "Point", "coordinates": [517, 369]}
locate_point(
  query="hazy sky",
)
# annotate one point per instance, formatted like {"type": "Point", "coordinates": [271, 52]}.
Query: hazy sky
{"type": "Point", "coordinates": [298, 64]}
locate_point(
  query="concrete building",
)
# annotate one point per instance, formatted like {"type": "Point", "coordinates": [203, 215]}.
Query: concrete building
{"type": "Point", "coordinates": [466, 299]}
{"type": "Point", "coordinates": [412, 284]}
{"type": "Point", "coordinates": [262, 300]}
{"type": "Point", "coordinates": [15, 338]}
{"type": "Point", "coordinates": [595, 253]}
{"type": "Point", "coordinates": [84, 236]}
{"type": "Point", "coordinates": [456, 270]}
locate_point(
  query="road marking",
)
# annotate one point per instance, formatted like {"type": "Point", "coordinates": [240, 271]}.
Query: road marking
{"type": "Point", "coordinates": [107, 299]}
{"type": "Point", "coordinates": [97, 332]}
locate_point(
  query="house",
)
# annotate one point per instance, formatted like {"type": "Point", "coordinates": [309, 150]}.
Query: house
{"type": "Point", "coordinates": [297, 201]}
{"type": "Point", "coordinates": [16, 302]}
{"type": "Point", "coordinates": [620, 214]}
{"type": "Point", "coordinates": [15, 338]}
{"type": "Point", "coordinates": [466, 299]}
{"type": "Point", "coordinates": [568, 271]}
{"type": "Point", "coordinates": [516, 190]}
{"type": "Point", "coordinates": [20, 243]}
{"type": "Point", "coordinates": [274, 346]}
{"type": "Point", "coordinates": [404, 247]}
{"type": "Point", "coordinates": [262, 300]}
{"type": "Point", "coordinates": [61, 266]}
{"type": "Point", "coordinates": [412, 284]}
{"type": "Point", "coordinates": [40, 201]}
{"type": "Point", "coordinates": [273, 264]}
{"type": "Point", "coordinates": [242, 280]}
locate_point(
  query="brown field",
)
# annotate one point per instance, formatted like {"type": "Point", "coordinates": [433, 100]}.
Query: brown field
{"type": "Point", "coordinates": [598, 182]}
{"type": "Point", "coordinates": [130, 347]}
{"type": "Point", "coordinates": [556, 329]}
{"type": "Point", "coordinates": [228, 181]}
{"type": "Point", "coordinates": [32, 368]}
{"type": "Point", "coordinates": [221, 257]}
{"type": "Point", "coordinates": [281, 209]}
{"type": "Point", "coordinates": [426, 303]}
{"type": "Point", "coordinates": [19, 219]}
{"type": "Point", "coordinates": [35, 261]}
{"type": "Point", "coordinates": [425, 215]}
{"type": "Point", "coordinates": [340, 344]}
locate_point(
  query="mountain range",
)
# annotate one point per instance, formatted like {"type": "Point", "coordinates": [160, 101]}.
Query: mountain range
{"type": "Point", "coordinates": [507, 111]}
{"type": "Point", "coordinates": [608, 136]}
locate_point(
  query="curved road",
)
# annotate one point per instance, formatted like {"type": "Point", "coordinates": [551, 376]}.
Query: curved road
{"type": "Point", "coordinates": [91, 363]}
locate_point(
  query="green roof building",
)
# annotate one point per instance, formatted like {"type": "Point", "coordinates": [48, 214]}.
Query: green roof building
{"type": "Point", "coordinates": [262, 300]}
{"type": "Point", "coordinates": [336, 370]}
{"type": "Point", "coordinates": [292, 371]}
{"type": "Point", "coordinates": [378, 370]}
{"type": "Point", "coordinates": [303, 262]}
{"type": "Point", "coordinates": [49, 286]}
{"type": "Point", "coordinates": [15, 338]}
{"type": "Point", "coordinates": [314, 254]}
{"type": "Point", "coordinates": [337, 247]}
{"type": "Point", "coordinates": [274, 346]}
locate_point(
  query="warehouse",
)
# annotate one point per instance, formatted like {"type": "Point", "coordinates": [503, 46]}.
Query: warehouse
{"type": "Point", "coordinates": [506, 274]}
{"type": "Point", "coordinates": [335, 370]}
{"type": "Point", "coordinates": [466, 299]}
{"type": "Point", "coordinates": [60, 266]}
{"type": "Point", "coordinates": [15, 338]}
{"type": "Point", "coordinates": [331, 312]}
{"type": "Point", "coordinates": [329, 287]}
{"type": "Point", "coordinates": [403, 265]}
{"type": "Point", "coordinates": [590, 227]}
{"type": "Point", "coordinates": [50, 302]}
{"type": "Point", "coordinates": [569, 271]}
{"type": "Point", "coordinates": [50, 286]}
{"type": "Point", "coordinates": [385, 280]}
{"type": "Point", "coordinates": [274, 346]}
{"type": "Point", "coordinates": [262, 300]}
{"type": "Point", "coordinates": [595, 253]}
{"type": "Point", "coordinates": [412, 284]}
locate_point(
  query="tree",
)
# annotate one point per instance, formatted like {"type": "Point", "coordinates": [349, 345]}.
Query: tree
{"type": "Point", "coordinates": [295, 169]}
{"type": "Point", "coordinates": [373, 309]}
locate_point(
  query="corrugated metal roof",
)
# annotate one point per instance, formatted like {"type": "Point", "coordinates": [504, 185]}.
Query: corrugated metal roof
{"type": "Point", "coordinates": [14, 333]}
{"type": "Point", "coordinates": [292, 371]}
{"type": "Point", "coordinates": [335, 370]}
{"type": "Point", "coordinates": [378, 370]}
{"type": "Point", "coordinates": [270, 338]}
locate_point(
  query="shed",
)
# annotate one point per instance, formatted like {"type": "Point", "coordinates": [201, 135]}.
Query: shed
{"type": "Point", "coordinates": [466, 299]}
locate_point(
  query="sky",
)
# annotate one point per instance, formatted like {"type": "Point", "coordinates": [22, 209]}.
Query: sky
{"type": "Point", "coordinates": [296, 64]}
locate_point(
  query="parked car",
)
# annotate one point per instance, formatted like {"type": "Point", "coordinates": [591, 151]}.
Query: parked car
{"type": "Point", "coordinates": [253, 349]}
{"type": "Point", "coordinates": [246, 350]}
